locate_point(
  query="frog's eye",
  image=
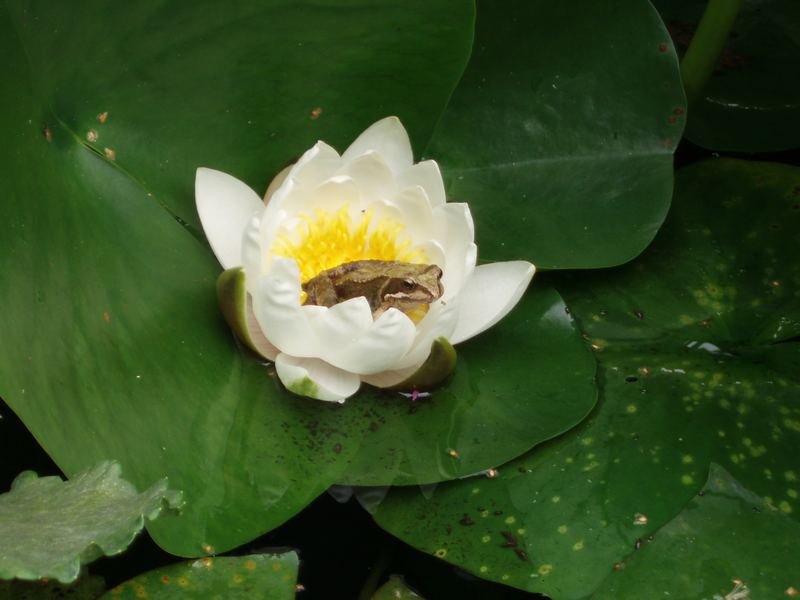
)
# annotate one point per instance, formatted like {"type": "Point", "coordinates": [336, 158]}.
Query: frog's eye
{"type": "Point", "coordinates": [409, 284]}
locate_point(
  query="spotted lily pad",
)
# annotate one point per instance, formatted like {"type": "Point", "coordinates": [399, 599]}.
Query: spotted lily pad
{"type": "Point", "coordinates": [751, 103]}
{"type": "Point", "coordinates": [272, 576]}
{"type": "Point", "coordinates": [49, 527]}
{"type": "Point", "coordinates": [726, 541]}
{"type": "Point", "coordinates": [697, 347]}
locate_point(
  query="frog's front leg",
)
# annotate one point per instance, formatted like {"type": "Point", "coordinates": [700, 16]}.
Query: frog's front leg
{"type": "Point", "coordinates": [320, 291]}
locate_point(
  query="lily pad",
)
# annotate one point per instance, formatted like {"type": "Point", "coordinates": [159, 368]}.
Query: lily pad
{"type": "Point", "coordinates": [50, 527]}
{"type": "Point", "coordinates": [272, 576]}
{"type": "Point", "coordinates": [752, 100]}
{"type": "Point", "coordinates": [162, 88]}
{"type": "Point", "coordinates": [696, 362]}
{"type": "Point", "coordinates": [726, 540]}
{"type": "Point", "coordinates": [561, 132]}
{"type": "Point", "coordinates": [117, 348]}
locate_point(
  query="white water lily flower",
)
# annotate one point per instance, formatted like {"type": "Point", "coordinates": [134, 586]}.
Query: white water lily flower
{"type": "Point", "coordinates": [372, 202]}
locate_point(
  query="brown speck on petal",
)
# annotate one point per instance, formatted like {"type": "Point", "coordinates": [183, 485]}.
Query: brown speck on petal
{"type": "Point", "coordinates": [91, 136]}
{"type": "Point", "coordinates": [316, 113]}
{"type": "Point", "coordinates": [102, 116]}
{"type": "Point", "coordinates": [792, 592]}
{"type": "Point", "coordinates": [48, 134]}
{"type": "Point", "coordinates": [619, 566]}
{"type": "Point", "coordinates": [110, 153]}
{"type": "Point", "coordinates": [452, 453]}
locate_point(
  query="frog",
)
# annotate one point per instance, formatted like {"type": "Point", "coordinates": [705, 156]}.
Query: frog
{"type": "Point", "coordinates": [385, 284]}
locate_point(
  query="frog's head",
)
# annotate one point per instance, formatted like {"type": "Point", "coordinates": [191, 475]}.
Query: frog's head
{"type": "Point", "coordinates": [413, 285]}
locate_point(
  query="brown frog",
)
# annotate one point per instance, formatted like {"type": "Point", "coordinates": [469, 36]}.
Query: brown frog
{"type": "Point", "coordinates": [385, 284]}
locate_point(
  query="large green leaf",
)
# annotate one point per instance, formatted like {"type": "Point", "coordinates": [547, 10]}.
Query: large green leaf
{"type": "Point", "coordinates": [562, 130]}
{"type": "Point", "coordinates": [696, 342]}
{"type": "Point", "coordinates": [271, 576]}
{"type": "Point", "coordinates": [117, 348]}
{"type": "Point", "coordinates": [726, 540]}
{"type": "Point", "coordinates": [244, 88]}
{"type": "Point", "coordinates": [49, 527]}
{"type": "Point", "coordinates": [113, 346]}
{"type": "Point", "coordinates": [752, 101]}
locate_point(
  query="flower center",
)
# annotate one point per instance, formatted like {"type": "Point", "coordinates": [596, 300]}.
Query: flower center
{"type": "Point", "coordinates": [329, 239]}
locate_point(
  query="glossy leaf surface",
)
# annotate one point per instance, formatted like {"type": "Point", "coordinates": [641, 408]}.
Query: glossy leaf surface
{"type": "Point", "coordinates": [50, 527]}
{"type": "Point", "coordinates": [696, 342]}
{"type": "Point", "coordinates": [245, 90]}
{"type": "Point", "coordinates": [726, 540]}
{"type": "Point", "coordinates": [752, 101]}
{"type": "Point", "coordinates": [270, 576]}
{"type": "Point", "coordinates": [566, 118]}
{"type": "Point", "coordinates": [118, 348]}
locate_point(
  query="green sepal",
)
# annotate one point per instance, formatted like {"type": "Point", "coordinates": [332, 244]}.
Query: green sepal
{"type": "Point", "coordinates": [232, 296]}
{"type": "Point", "coordinates": [437, 367]}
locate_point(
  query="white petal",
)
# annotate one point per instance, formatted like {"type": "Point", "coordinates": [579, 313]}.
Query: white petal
{"type": "Point", "coordinates": [317, 164]}
{"type": "Point", "coordinates": [257, 337]}
{"type": "Point", "coordinates": [348, 338]}
{"type": "Point", "coordinates": [386, 379]}
{"type": "Point", "coordinates": [388, 138]}
{"type": "Point", "coordinates": [252, 256]}
{"type": "Point", "coordinates": [489, 295]}
{"type": "Point", "coordinates": [316, 379]}
{"type": "Point", "coordinates": [440, 321]}
{"type": "Point", "coordinates": [372, 176]}
{"type": "Point", "coordinates": [456, 233]}
{"type": "Point", "coordinates": [276, 183]}
{"type": "Point", "coordinates": [416, 212]}
{"type": "Point", "coordinates": [427, 175]}
{"type": "Point", "coordinates": [276, 304]}
{"type": "Point", "coordinates": [225, 205]}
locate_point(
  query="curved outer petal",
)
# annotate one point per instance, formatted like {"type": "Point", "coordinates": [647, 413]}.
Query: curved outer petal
{"type": "Point", "coordinates": [314, 378]}
{"type": "Point", "coordinates": [489, 295]}
{"type": "Point", "coordinates": [344, 335]}
{"type": "Point", "coordinates": [388, 138]}
{"type": "Point", "coordinates": [225, 205]}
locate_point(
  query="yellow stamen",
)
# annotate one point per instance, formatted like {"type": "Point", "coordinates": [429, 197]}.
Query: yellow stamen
{"type": "Point", "coordinates": [330, 239]}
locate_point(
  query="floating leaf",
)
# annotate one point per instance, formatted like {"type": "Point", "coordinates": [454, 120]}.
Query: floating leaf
{"type": "Point", "coordinates": [695, 343]}
{"type": "Point", "coordinates": [49, 527]}
{"type": "Point", "coordinates": [272, 576]}
{"type": "Point", "coordinates": [726, 540]}
{"type": "Point", "coordinates": [561, 132]}
{"type": "Point", "coordinates": [752, 100]}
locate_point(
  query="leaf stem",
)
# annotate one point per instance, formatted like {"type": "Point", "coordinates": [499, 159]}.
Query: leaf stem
{"type": "Point", "coordinates": [706, 46]}
{"type": "Point", "coordinates": [376, 573]}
